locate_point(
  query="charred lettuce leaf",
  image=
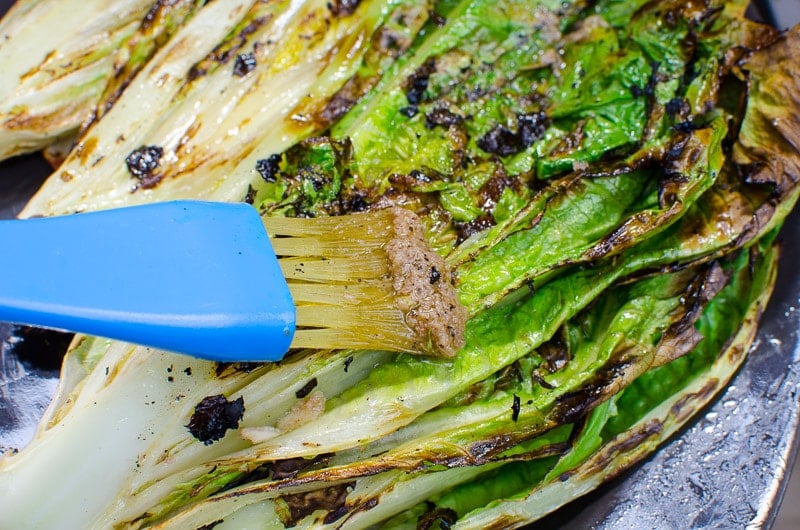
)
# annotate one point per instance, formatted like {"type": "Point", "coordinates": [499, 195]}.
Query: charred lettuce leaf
{"type": "Point", "coordinates": [766, 150]}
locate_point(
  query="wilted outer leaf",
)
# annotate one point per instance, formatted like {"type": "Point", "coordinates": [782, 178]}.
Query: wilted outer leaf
{"type": "Point", "coordinates": [769, 140]}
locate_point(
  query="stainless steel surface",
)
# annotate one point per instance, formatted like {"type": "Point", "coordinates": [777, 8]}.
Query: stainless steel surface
{"type": "Point", "coordinates": [25, 389]}
{"type": "Point", "coordinates": [727, 469]}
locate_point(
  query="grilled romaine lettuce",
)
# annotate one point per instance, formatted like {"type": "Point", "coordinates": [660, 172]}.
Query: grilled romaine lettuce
{"type": "Point", "coordinates": [65, 62]}
{"type": "Point", "coordinates": [606, 179]}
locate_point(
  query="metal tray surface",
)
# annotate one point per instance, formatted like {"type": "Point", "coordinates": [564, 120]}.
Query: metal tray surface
{"type": "Point", "coordinates": [727, 469]}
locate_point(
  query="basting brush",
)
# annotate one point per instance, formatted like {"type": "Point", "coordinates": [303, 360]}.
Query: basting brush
{"type": "Point", "coordinates": [218, 281]}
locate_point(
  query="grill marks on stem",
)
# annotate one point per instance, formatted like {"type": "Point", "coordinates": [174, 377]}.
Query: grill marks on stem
{"type": "Point", "coordinates": [230, 50]}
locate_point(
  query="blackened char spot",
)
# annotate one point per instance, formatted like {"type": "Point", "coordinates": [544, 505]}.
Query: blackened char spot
{"type": "Point", "coordinates": [268, 167]}
{"type": "Point", "coordinates": [652, 80]}
{"type": "Point", "coordinates": [435, 275]}
{"type": "Point", "coordinates": [690, 71]}
{"type": "Point", "coordinates": [443, 117]}
{"type": "Point", "coordinates": [343, 7]}
{"type": "Point", "coordinates": [156, 16]}
{"type": "Point", "coordinates": [675, 106]}
{"type": "Point", "coordinates": [244, 64]}
{"type": "Point", "coordinates": [307, 388]}
{"type": "Point", "coordinates": [195, 72]}
{"type": "Point", "coordinates": [344, 99]}
{"type": "Point", "coordinates": [500, 141]}
{"type": "Point", "coordinates": [353, 201]}
{"type": "Point", "coordinates": [226, 50]}
{"type": "Point", "coordinates": [493, 189]}
{"type": "Point", "coordinates": [414, 179]}
{"type": "Point", "coordinates": [465, 230]}
{"type": "Point", "coordinates": [686, 126]}
{"type": "Point", "coordinates": [415, 87]}
{"type": "Point", "coordinates": [675, 149]}
{"type": "Point", "coordinates": [213, 416]}
{"type": "Point", "coordinates": [150, 17]}
{"type": "Point", "coordinates": [531, 127]}
{"type": "Point", "coordinates": [515, 408]}
{"type": "Point", "coordinates": [144, 160]}
{"type": "Point", "coordinates": [417, 83]}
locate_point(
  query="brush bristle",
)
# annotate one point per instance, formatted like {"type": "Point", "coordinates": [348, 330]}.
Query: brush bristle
{"type": "Point", "coordinates": [367, 281]}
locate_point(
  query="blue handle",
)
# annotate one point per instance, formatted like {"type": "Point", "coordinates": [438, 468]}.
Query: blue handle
{"type": "Point", "coordinates": [193, 277]}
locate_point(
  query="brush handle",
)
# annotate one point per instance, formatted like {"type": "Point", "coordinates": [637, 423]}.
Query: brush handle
{"type": "Point", "coordinates": [193, 277]}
